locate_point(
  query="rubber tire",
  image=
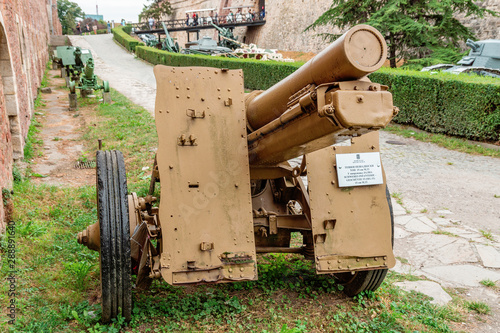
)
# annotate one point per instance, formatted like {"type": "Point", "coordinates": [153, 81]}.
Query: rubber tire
{"type": "Point", "coordinates": [366, 280]}
{"type": "Point", "coordinates": [115, 260]}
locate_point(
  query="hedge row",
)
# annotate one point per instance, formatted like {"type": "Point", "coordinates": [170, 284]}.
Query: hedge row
{"type": "Point", "coordinates": [467, 106]}
{"type": "Point", "coordinates": [125, 39]}
{"type": "Point", "coordinates": [258, 74]}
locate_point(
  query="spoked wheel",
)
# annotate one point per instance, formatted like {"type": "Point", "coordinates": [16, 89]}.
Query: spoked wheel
{"type": "Point", "coordinates": [115, 235]}
{"type": "Point", "coordinates": [366, 280]}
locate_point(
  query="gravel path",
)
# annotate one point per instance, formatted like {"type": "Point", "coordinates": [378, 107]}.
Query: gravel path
{"type": "Point", "coordinates": [439, 180]}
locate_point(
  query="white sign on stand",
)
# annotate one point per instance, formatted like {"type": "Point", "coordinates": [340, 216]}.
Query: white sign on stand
{"type": "Point", "coordinates": [359, 169]}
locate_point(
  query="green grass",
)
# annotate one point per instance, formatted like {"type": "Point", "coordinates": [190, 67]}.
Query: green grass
{"type": "Point", "coordinates": [58, 279]}
{"type": "Point", "coordinates": [443, 232]}
{"type": "Point", "coordinates": [488, 283]}
{"type": "Point", "coordinates": [124, 126]}
{"type": "Point", "coordinates": [449, 142]}
{"type": "Point", "coordinates": [479, 307]}
{"type": "Point", "coordinates": [487, 234]}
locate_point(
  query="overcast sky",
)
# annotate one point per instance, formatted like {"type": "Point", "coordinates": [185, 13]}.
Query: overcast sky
{"type": "Point", "coordinates": [113, 9]}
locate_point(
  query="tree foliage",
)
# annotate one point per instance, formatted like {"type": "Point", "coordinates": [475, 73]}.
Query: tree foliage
{"type": "Point", "coordinates": [411, 27]}
{"type": "Point", "coordinates": [68, 12]}
{"type": "Point", "coordinates": [157, 10]}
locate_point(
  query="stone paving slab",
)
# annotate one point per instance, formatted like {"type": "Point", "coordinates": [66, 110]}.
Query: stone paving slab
{"type": "Point", "coordinates": [462, 275]}
{"type": "Point", "coordinates": [489, 256]}
{"type": "Point", "coordinates": [429, 288]}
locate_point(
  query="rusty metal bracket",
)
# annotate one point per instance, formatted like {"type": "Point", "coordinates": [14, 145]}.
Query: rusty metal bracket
{"type": "Point", "coordinates": [204, 246]}
{"type": "Point", "coordinates": [155, 270]}
{"type": "Point", "coordinates": [273, 224]}
{"type": "Point", "coordinates": [195, 114]}
{"type": "Point", "coordinates": [187, 141]}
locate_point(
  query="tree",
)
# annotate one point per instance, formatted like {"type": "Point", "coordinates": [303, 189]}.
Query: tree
{"type": "Point", "coordinates": [157, 9]}
{"type": "Point", "coordinates": [412, 28]}
{"type": "Point", "coordinates": [68, 12]}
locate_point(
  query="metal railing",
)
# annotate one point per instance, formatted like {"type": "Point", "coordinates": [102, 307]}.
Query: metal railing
{"type": "Point", "coordinates": [203, 21]}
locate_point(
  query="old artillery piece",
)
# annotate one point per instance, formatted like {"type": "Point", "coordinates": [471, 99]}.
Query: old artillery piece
{"type": "Point", "coordinates": [72, 61]}
{"type": "Point", "coordinates": [87, 83]}
{"type": "Point", "coordinates": [226, 37]}
{"type": "Point", "coordinates": [228, 192]}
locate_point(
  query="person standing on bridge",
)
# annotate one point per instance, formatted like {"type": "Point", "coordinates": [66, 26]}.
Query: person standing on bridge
{"type": "Point", "coordinates": [187, 19]}
{"type": "Point", "coordinates": [151, 22]}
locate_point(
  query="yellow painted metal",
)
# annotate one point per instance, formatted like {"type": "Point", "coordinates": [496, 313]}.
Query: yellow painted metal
{"type": "Point", "coordinates": [360, 51]}
{"type": "Point", "coordinates": [351, 226]}
{"type": "Point", "coordinates": [205, 210]}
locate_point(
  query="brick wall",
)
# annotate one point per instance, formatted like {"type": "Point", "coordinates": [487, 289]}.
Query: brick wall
{"type": "Point", "coordinates": [287, 20]}
{"type": "Point", "coordinates": [25, 28]}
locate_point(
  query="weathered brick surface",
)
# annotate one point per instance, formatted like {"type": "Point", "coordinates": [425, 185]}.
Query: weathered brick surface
{"type": "Point", "coordinates": [25, 27]}
{"type": "Point", "coordinates": [287, 20]}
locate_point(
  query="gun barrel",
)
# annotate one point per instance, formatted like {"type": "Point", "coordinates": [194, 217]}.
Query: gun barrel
{"type": "Point", "coordinates": [359, 52]}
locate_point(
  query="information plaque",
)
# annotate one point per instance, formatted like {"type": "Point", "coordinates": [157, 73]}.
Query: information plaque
{"type": "Point", "coordinates": [359, 169]}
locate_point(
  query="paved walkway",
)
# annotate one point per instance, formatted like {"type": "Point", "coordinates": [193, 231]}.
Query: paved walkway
{"type": "Point", "coordinates": [448, 199]}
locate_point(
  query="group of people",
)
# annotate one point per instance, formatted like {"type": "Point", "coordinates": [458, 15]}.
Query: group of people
{"type": "Point", "coordinates": [86, 30]}
{"type": "Point", "coordinates": [195, 20]}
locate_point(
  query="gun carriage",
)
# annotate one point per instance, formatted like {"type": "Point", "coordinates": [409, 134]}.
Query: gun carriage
{"type": "Point", "coordinates": [229, 191]}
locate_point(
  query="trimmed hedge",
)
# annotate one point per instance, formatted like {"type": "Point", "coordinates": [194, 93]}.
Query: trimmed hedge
{"type": "Point", "coordinates": [130, 43]}
{"type": "Point", "coordinates": [258, 74]}
{"type": "Point", "coordinates": [466, 106]}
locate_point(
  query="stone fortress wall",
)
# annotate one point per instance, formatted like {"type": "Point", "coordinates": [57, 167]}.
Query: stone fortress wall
{"type": "Point", "coordinates": [25, 30]}
{"type": "Point", "coordinates": [286, 21]}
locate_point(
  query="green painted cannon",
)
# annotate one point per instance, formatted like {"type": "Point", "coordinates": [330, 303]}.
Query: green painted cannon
{"type": "Point", "coordinates": [72, 61]}
{"type": "Point", "coordinates": [87, 83]}
{"type": "Point", "coordinates": [168, 43]}
{"type": "Point", "coordinates": [226, 37]}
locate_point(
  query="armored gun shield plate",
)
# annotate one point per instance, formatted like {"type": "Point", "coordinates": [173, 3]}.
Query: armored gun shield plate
{"type": "Point", "coordinates": [205, 208]}
{"type": "Point", "coordinates": [351, 225]}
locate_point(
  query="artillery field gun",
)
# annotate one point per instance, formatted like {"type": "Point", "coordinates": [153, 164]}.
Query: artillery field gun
{"type": "Point", "coordinates": [72, 61]}
{"type": "Point", "coordinates": [228, 192]}
{"type": "Point", "coordinates": [229, 40]}
{"type": "Point", "coordinates": [87, 84]}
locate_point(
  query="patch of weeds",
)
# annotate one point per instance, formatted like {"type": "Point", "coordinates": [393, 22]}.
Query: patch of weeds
{"type": "Point", "coordinates": [449, 142]}
{"type": "Point", "coordinates": [32, 143]}
{"type": "Point", "coordinates": [487, 234]}
{"type": "Point", "coordinates": [496, 195]}
{"type": "Point", "coordinates": [488, 283]}
{"type": "Point", "coordinates": [423, 211]}
{"type": "Point", "coordinates": [56, 139]}
{"type": "Point", "coordinates": [78, 272]}
{"type": "Point", "coordinates": [398, 196]}
{"type": "Point", "coordinates": [403, 260]}
{"type": "Point", "coordinates": [478, 307]}
{"type": "Point", "coordinates": [17, 175]}
{"type": "Point", "coordinates": [443, 232]}
{"type": "Point", "coordinates": [30, 229]}
{"type": "Point", "coordinates": [449, 163]}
